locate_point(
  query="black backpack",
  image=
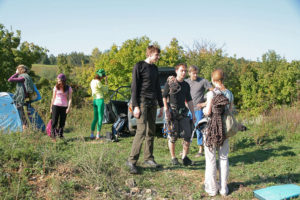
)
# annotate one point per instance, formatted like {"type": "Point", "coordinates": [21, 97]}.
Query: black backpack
{"type": "Point", "coordinates": [118, 128]}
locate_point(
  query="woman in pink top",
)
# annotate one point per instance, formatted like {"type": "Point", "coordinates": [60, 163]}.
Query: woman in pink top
{"type": "Point", "coordinates": [60, 105]}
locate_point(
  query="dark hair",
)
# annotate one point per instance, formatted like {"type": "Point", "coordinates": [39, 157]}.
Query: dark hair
{"type": "Point", "coordinates": [62, 85]}
{"type": "Point", "coordinates": [97, 77]}
{"type": "Point", "coordinates": [152, 49]}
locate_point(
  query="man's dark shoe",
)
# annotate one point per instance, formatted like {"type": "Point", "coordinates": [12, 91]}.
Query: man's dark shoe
{"type": "Point", "coordinates": [186, 161]}
{"type": "Point", "coordinates": [132, 168]}
{"type": "Point", "coordinates": [175, 161]}
{"type": "Point", "coordinates": [151, 163]}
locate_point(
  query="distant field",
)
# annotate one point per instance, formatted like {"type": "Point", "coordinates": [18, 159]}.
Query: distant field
{"type": "Point", "coordinates": [46, 71]}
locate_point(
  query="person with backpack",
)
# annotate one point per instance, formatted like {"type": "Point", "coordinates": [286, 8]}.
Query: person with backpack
{"type": "Point", "coordinates": [198, 88]}
{"type": "Point", "coordinates": [98, 90]}
{"type": "Point", "coordinates": [218, 101]}
{"type": "Point", "coordinates": [145, 94]}
{"type": "Point", "coordinates": [60, 106]}
{"type": "Point", "coordinates": [176, 113]}
{"type": "Point", "coordinates": [24, 88]}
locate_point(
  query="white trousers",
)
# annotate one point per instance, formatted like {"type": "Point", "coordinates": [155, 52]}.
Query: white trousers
{"type": "Point", "coordinates": [212, 187]}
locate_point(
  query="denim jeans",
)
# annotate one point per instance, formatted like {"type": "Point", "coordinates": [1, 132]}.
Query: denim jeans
{"type": "Point", "coordinates": [199, 116]}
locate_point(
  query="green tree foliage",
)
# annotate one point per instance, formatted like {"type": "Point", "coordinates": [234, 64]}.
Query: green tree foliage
{"type": "Point", "coordinates": [13, 53]}
{"type": "Point", "coordinates": [77, 59]}
{"type": "Point", "coordinates": [96, 53]}
{"type": "Point", "coordinates": [63, 65]}
{"type": "Point", "coordinates": [172, 55]}
{"type": "Point", "coordinates": [118, 62]}
{"type": "Point", "coordinates": [269, 83]}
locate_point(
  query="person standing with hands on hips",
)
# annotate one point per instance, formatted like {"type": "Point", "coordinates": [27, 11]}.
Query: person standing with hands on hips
{"type": "Point", "coordinates": [145, 93]}
{"type": "Point", "coordinates": [98, 90]}
{"type": "Point", "coordinates": [60, 105]}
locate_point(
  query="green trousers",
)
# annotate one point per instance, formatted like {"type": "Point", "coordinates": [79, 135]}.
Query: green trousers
{"type": "Point", "coordinates": [145, 131]}
{"type": "Point", "coordinates": [98, 105]}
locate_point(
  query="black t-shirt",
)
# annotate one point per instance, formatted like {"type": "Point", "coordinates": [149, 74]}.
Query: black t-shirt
{"type": "Point", "coordinates": [179, 98]}
{"type": "Point", "coordinates": [145, 83]}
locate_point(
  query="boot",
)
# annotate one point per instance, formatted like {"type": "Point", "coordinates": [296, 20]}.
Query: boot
{"type": "Point", "coordinates": [61, 132]}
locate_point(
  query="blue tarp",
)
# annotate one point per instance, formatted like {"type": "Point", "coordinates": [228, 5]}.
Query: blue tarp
{"type": "Point", "coordinates": [9, 117]}
{"type": "Point", "coordinates": [278, 192]}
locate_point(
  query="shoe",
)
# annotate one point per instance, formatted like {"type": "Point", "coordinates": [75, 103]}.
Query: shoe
{"type": "Point", "coordinates": [132, 168]}
{"type": "Point", "coordinates": [186, 161]}
{"type": "Point", "coordinates": [92, 136]}
{"type": "Point", "coordinates": [175, 161]}
{"type": "Point", "coordinates": [198, 155]}
{"type": "Point", "coordinates": [151, 163]}
{"type": "Point", "coordinates": [98, 137]}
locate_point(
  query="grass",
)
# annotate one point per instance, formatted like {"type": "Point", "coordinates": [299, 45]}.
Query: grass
{"type": "Point", "coordinates": [33, 167]}
{"type": "Point", "coordinates": [45, 71]}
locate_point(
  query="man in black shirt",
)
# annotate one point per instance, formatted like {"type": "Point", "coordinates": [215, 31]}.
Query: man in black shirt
{"type": "Point", "coordinates": [178, 92]}
{"type": "Point", "coordinates": [145, 93]}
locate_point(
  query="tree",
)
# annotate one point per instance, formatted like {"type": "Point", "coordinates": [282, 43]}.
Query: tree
{"type": "Point", "coordinates": [63, 65]}
{"type": "Point", "coordinates": [172, 55]}
{"type": "Point", "coordinates": [13, 53]}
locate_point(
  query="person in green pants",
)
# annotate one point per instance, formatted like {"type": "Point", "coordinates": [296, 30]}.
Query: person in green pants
{"type": "Point", "coordinates": [98, 90]}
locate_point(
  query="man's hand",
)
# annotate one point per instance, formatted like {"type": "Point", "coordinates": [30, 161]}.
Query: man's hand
{"type": "Point", "coordinates": [137, 112]}
{"type": "Point", "coordinates": [160, 112]}
{"type": "Point", "coordinates": [194, 118]}
{"type": "Point", "coordinates": [201, 105]}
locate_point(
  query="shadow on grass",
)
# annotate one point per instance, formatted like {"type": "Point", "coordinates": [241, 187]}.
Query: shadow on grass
{"type": "Point", "coordinates": [261, 155]}
{"type": "Point", "coordinates": [281, 179]}
{"type": "Point", "coordinates": [249, 142]}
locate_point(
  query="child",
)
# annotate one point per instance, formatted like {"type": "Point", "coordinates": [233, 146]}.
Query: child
{"type": "Point", "coordinates": [60, 105]}
{"type": "Point", "coordinates": [98, 91]}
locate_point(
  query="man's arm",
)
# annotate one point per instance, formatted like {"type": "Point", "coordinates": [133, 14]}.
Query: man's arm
{"type": "Point", "coordinates": [191, 107]}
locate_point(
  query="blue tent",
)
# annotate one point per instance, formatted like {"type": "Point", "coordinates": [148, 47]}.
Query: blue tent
{"type": "Point", "coordinates": [9, 117]}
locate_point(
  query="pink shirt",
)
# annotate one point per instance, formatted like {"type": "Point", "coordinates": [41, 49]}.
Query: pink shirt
{"type": "Point", "coordinates": [61, 98]}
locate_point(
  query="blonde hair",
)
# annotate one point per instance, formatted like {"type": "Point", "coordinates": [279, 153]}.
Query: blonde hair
{"type": "Point", "coordinates": [22, 69]}
{"type": "Point", "coordinates": [217, 75]}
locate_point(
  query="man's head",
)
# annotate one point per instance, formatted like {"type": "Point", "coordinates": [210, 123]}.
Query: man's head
{"type": "Point", "coordinates": [180, 70]}
{"type": "Point", "coordinates": [152, 53]}
{"type": "Point", "coordinates": [193, 72]}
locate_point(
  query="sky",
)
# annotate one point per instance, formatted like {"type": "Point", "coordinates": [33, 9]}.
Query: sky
{"type": "Point", "coordinates": [242, 28]}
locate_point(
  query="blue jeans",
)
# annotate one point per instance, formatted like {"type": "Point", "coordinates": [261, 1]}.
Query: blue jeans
{"type": "Point", "coordinates": [199, 116]}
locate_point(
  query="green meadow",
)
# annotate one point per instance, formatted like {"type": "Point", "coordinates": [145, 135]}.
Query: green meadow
{"type": "Point", "coordinates": [34, 167]}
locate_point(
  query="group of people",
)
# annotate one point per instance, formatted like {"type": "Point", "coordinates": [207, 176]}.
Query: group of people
{"type": "Point", "coordinates": [182, 101]}
{"type": "Point", "coordinates": [184, 106]}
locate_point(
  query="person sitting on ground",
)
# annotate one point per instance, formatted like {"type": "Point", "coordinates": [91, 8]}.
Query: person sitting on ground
{"type": "Point", "coordinates": [98, 90]}
{"type": "Point", "coordinates": [216, 141]}
{"type": "Point", "coordinates": [23, 88]}
{"type": "Point", "coordinates": [176, 114]}
{"type": "Point", "coordinates": [60, 106]}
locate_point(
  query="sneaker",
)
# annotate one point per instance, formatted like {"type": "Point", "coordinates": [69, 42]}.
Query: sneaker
{"type": "Point", "coordinates": [92, 136]}
{"type": "Point", "coordinates": [132, 168]}
{"type": "Point", "coordinates": [175, 161]}
{"type": "Point", "coordinates": [98, 137]}
{"type": "Point", "coordinates": [151, 163]}
{"type": "Point", "coordinates": [186, 161]}
{"type": "Point", "coordinates": [198, 155]}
